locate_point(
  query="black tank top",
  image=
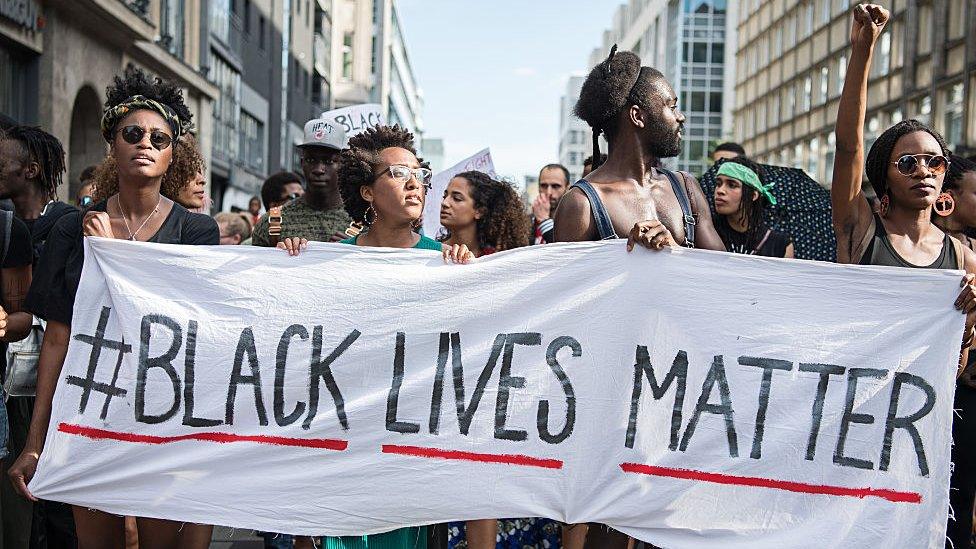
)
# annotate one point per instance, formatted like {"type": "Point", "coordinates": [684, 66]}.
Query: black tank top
{"type": "Point", "coordinates": [880, 252]}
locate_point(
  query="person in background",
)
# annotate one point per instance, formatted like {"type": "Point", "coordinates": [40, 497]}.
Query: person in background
{"type": "Point", "coordinates": [318, 214]}
{"type": "Point", "coordinates": [960, 184]}
{"type": "Point", "coordinates": [906, 166]}
{"type": "Point", "coordinates": [31, 169]}
{"type": "Point", "coordinates": [142, 118]}
{"type": "Point", "coordinates": [553, 183]}
{"type": "Point", "coordinates": [280, 188]}
{"type": "Point", "coordinates": [254, 209]}
{"type": "Point", "coordinates": [726, 151]}
{"type": "Point", "coordinates": [741, 196]}
{"type": "Point", "coordinates": [483, 214]}
{"type": "Point", "coordinates": [233, 228]}
{"type": "Point", "coordinates": [84, 197]}
{"type": "Point", "coordinates": [588, 164]}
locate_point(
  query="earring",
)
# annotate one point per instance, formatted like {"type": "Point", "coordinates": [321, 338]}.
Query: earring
{"type": "Point", "coordinates": [883, 206]}
{"type": "Point", "coordinates": [944, 205]}
{"type": "Point", "coordinates": [366, 218]}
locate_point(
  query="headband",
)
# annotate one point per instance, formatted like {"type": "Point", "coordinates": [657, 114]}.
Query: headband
{"type": "Point", "coordinates": [112, 115]}
{"type": "Point", "coordinates": [745, 175]}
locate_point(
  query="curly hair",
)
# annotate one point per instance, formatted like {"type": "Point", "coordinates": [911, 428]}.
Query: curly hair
{"type": "Point", "coordinates": [504, 225]}
{"type": "Point", "coordinates": [879, 157]}
{"type": "Point", "coordinates": [357, 164]}
{"type": "Point", "coordinates": [187, 161]}
{"type": "Point", "coordinates": [43, 148]}
{"type": "Point", "coordinates": [136, 81]}
{"type": "Point", "coordinates": [612, 86]}
{"type": "Point", "coordinates": [751, 210]}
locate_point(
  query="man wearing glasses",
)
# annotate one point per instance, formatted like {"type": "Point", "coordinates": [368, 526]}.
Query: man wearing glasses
{"type": "Point", "coordinates": [318, 215]}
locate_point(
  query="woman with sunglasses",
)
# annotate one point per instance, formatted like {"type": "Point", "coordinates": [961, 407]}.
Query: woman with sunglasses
{"type": "Point", "coordinates": [906, 167]}
{"type": "Point", "coordinates": [142, 119]}
{"type": "Point", "coordinates": [741, 196]}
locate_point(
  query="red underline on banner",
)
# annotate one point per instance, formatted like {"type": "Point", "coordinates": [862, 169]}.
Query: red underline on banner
{"type": "Point", "coordinates": [436, 453]}
{"type": "Point", "coordinates": [102, 434]}
{"type": "Point", "coordinates": [758, 482]}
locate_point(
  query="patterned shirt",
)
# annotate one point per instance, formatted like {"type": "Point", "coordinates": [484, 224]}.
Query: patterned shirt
{"type": "Point", "coordinates": [299, 220]}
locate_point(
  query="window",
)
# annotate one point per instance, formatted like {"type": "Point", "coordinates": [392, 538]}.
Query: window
{"type": "Point", "coordinates": [251, 146]}
{"type": "Point", "coordinates": [226, 112]}
{"type": "Point", "coordinates": [824, 83]}
{"type": "Point", "coordinates": [261, 31]}
{"type": "Point", "coordinates": [813, 158]}
{"type": "Point", "coordinates": [697, 101]}
{"type": "Point", "coordinates": [957, 18]}
{"type": "Point", "coordinates": [247, 16]}
{"type": "Point", "coordinates": [347, 55]}
{"type": "Point", "coordinates": [171, 26]}
{"type": "Point", "coordinates": [798, 156]}
{"type": "Point", "coordinates": [699, 52]}
{"type": "Point", "coordinates": [808, 19]}
{"type": "Point", "coordinates": [829, 158]}
{"type": "Point", "coordinates": [807, 92]}
{"type": "Point", "coordinates": [718, 53]}
{"type": "Point", "coordinates": [824, 11]}
{"type": "Point", "coordinates": [953, 116]}
{"type": "Point", "coordinates": [924, 108]}
{"type": "Point", "coordinates": [841, 73]}
{"type": "Point", "coordinates": [715, 102]}
{"type": "Point", "coordinates": [872, 131]}
{"type": "Point", "coordinates": [882, 56]}
{"type": "Point", "coordinates": [924, 29]}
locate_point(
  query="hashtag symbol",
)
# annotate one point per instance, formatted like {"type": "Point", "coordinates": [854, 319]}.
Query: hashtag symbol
{"type": "Point", "coordinates": [88, 383]}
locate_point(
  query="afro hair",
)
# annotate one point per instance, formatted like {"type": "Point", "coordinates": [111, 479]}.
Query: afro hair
{"type": "Point", "coordinates": [357, 164]}
{"type": "Point", "coordinates": [136, 81]}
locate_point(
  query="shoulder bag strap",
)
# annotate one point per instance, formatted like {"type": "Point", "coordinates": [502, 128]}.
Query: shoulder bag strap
{"type": "Point", "coordinates": [681, 193]}
{"type": "Point", "coordinates": [957, 247]}
{"type": "Point", "coordinates": [603, 225]}
{"type": "Point", "coordinates": [274, 225]}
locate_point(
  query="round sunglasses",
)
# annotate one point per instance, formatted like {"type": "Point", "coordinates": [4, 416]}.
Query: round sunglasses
{"type": "Point", "coordinates": [908, 164]}
{"type": "Point", "coordinates": [157, 138]}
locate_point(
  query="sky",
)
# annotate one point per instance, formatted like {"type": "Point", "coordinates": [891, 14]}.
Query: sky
{"type": "Point", "coordinates": [492, 72]}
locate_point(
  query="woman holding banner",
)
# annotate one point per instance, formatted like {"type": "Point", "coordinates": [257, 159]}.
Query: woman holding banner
{"type": "Point", "coordinates": [483, 214]}
{"type": "Point", "coordinates": [383, 186]}
{"type": "Point", "coordinates": [142, 120]}
{"type": "Point", "coordinates": [906, 167]}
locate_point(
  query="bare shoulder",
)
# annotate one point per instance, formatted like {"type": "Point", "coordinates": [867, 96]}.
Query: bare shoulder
{"type": "Point", "coordinates": [969, 259]}
{"type": "Point", "coordinates": [573, 218]}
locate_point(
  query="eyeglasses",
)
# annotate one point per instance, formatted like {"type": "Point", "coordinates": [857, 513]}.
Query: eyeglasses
{"type": "Point", "coordinates": [401, 174]}
{"type": "Point", "coordinates": [908, 164]}
{"type": "Point", "coordinates": [157, 138]}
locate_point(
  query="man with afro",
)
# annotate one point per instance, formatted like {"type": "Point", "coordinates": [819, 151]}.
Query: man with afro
{"type": "Point", "coordinates": [629, 196]}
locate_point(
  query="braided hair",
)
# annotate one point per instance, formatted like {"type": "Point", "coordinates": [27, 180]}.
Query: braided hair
{"type": "Point", "coordinates": [45, 149]}
{"type": "Point", "coordinates": [879, 157]}
{"type": "Point", "coordinates": [958, 167]}
{"type": "Point", "coordinates": [612, 86]}
{"type": "Point", "coordinates": [752, 211]}
{"type": "Point", "coordinates": [504, 225]}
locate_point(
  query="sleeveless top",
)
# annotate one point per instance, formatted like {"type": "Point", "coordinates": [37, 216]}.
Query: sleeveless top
{"type": "Point", "coordinates": [601, 216]}
{"type": "Point", "coordinates": [425, 243]}
{"type": "Point", "coordinates": [772, 244]}
{"type": "Point", "coordinates": [881, 252]}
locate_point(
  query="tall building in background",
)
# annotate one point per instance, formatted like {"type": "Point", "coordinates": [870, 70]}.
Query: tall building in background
{"type": "Point", "coordinates": [686, 40]}
{"type": "Point", "coordinates": [372, 63]}
{"type": "Point", "coordinates": [792, 59]}
{"type": "Point", "coordinates": [575, 137]}
{"type": "Point", "coordinates": [57, 58]}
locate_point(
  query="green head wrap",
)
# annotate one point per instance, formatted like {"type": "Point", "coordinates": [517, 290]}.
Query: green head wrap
{"type": "Point", "coordinates": [112, 115]}
{"type": "Point", "coordinates": [744, 175]}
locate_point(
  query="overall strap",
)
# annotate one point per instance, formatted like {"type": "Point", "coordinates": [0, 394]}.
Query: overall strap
{"type": "Point", "coordinates": [683, 200]}
{"type": "Point", "coordinates": [603, 225]}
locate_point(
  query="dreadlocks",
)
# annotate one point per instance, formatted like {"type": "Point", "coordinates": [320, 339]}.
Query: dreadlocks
{"type": "Point", "coordinates": [45, 149]}
{"type": "Point", "coordinates": [750, 211]}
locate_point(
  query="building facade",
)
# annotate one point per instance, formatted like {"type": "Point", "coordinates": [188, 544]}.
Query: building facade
{"type": "Point", "coordinates": [372, 64]}
{"type": "Point", "coordinates": [792, 59]}
{"type": "Point", "coordinates": [685, 40]}
{"type": "Point", "coordinates": [58, 56]}
{"type": "Point", "coordinates": [575, 137]}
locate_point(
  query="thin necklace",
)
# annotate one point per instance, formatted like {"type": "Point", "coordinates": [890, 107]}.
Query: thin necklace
{"type": "Point", "coordinates": [132, 235]}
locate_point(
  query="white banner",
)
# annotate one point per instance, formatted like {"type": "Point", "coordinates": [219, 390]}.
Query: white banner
{"type": "Point", "coordinates": [480, 161]}
{"type": "Point", "coordinates": [357, 118]}
{"type": "Point", "coordinates": [686, 397]}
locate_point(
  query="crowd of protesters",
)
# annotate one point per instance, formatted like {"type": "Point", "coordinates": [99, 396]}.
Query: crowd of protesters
{"type": "Point", "coordinates": [369, 190]}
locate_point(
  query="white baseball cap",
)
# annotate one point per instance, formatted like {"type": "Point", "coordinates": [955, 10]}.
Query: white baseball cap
{"type": "Point", "coordinates": [321, 132]}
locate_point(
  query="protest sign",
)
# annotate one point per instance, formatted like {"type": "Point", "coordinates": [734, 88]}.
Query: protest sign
{"type": "Point", "coordinates": [357, 118]}
{"type": "Point", "coordinates": [811, 406]}
{"type": "Point", "coordinates": [480, 161]}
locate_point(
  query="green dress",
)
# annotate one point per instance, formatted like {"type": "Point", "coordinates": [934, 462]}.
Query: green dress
{"type": "Point", "coordinates": [424, 243]}
{"type": "Point", "coordinates": [403, 538]}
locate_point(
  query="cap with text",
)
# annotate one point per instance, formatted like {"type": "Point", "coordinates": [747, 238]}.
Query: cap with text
{"type": "Point", "coordinates": [320, 132]}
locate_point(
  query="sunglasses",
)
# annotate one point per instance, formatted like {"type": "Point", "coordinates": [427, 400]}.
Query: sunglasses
{"type": "Point", "coordinates": [402, 174]}
{"type": "Point", "coordinates": [157, 138]}
{"type": "Point", "coordinates": [908, 164]}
